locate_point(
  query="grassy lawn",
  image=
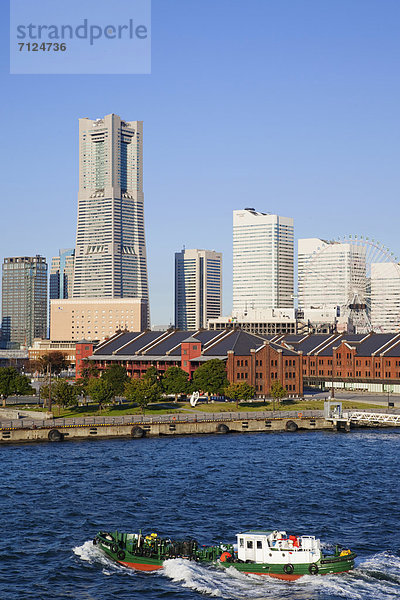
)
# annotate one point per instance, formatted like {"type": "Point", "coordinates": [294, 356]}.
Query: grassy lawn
{"type": "Point", "coordinates": [164, 408]}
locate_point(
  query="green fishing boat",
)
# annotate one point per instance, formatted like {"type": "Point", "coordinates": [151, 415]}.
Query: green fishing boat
{"type": "Point", "coordinates": [259, 552]}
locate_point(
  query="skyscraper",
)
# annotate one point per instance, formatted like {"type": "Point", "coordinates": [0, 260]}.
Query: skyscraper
{"type": "Point", "coordinates": [62, 274]}
{"type": "Point", "coordinates": [263, 261]}
{"type": "Point", "coordinates": [24, 300]}
{"type": "Point", "coordinates": [330, 274]}
{"type": "Point", "coordinates": [110, 255]}
{"type": "Point", "coordinates": [198, 288]}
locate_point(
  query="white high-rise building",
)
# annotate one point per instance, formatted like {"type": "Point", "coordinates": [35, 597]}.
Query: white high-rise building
{"type": "Point", "coordinates": [330, 274]}
{"type": "Point", "coordinates": [110, 255]}
{"type": "Point", "coordinates": [385, 297]}
{"type": "Point", "coordinates": [263, 261]}
{"type": "Point", "coordinates": [198, 288]}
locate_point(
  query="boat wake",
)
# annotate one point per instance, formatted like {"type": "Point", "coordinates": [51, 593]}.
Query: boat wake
{"type": "Point", "coordinates": [377, 577]}
{"type": "Point", "coordinates": [90, 553]}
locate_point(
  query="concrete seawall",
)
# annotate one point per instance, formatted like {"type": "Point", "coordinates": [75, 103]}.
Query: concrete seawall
{"type": "Point", "coordinates": [167, 425]}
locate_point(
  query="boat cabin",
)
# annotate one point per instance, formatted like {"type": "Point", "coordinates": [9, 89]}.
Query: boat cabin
{"type": "Point", "coordinates": [277, 547]}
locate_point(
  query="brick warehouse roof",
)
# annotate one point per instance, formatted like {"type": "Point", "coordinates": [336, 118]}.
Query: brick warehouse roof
{"type": "Point", "coordinates": [165, 345]}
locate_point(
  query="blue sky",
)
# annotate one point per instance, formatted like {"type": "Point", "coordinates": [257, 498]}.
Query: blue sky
{"type": "Point", "coordinates": [289, 106]}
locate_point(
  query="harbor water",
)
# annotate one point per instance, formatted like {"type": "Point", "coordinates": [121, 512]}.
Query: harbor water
{"type": "Point", "coordinates": [54, 497]}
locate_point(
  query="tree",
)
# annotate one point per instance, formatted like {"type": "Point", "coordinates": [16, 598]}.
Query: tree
{"type": "Point", "coordinates": [12, 382]}
{"type": "Point", "coordinates": [239, 391]}
{"type": "Point", "coordinates": [51, 363]}
{"type": "Point", "coordinates": [152, 375]}
{"type": "Point", "coordinates": [143, 392]}
{"type": "Point", "coordinates": [277, 392]}
{"type": "Point", "coordinates": [211, 377]}
{"type": "Point", "coordinates": [64, 394]}
{"type": "Point", "coordinates": [100, 391]}
{"type": "Point", "coordinates": [116, 376]}
{"type": "Point", "coordinates": [175, 381]}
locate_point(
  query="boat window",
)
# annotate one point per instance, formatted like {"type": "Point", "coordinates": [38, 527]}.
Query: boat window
{"type": "Point", "coordinates": [259, 544]}
{"type": "Point", "coordinates": [249, 544]}
{"type": "Point", "coordinates": [241, 542]}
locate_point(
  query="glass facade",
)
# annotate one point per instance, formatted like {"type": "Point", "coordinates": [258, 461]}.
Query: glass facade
{"type": "Point", "coordinates": [24, 300]}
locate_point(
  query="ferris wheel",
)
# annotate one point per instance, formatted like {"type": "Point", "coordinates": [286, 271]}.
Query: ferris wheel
{"type": "Point", "coordinates": [356, 276]}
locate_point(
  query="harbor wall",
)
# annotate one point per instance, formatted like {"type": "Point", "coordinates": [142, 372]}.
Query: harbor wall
{"type": "Point", "coordinates": [137, 429]}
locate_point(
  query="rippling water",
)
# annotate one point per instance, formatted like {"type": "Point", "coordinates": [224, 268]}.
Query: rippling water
{"type": "Point", "coordinates": [344, 488]}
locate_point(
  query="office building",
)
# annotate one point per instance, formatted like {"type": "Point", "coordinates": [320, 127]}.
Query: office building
{"type": "Point", "coordinates": [110, 254]}
{"type": "Point", "coordinates": [95, 318]}
{"type": "Point", "coordinates": [385, 297]}
{"type": "Point", "coordinates": [62, 274]}
{"type": "Point", "coordinates": [24, 300]}
{"type": "Point", "coordinates": [198, 288]}
{"type": "Point", "coordinates": [263, 261]}
{"type": "Point", "coordinates": [330, 274]}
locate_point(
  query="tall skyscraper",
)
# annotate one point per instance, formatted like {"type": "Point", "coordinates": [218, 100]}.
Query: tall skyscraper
{"type": "Point", "coordinates": [110, 255]}
{"type": "Point", "coordinates": [330, 274]}
{"type": "Point", "coordinates": [198, 288]}
{"type": "Point", "coordinates": [62, 274]}
{"type": "Point", "coordinates": [263, 261]}
{"type": "Point", "coordinates": [24, 300]}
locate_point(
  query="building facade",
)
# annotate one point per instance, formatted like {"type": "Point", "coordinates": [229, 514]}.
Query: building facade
{"type": "Point", "coordinates": [95, 318]}
{"type": "Point", "coordinates": [330, 274]}
{"type": "Point", "coordinates": [263, 261]}
{"type": "Point", "coordinates": [24, 300]}
{"type": "Point", "coordinates": [110, 254]}
{"type": "Point", "coordinates": [62, 274]}
{"type": "Point", "coordinates": [385, 297]}
{"type": "Point", "coordinates": [198, 288]}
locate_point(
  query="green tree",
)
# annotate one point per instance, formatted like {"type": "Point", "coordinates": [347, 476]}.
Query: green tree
{"type": "Point", "coordinates": [239, 391]}
{"type": "Point", "coordinates": [100, 391]}
{"type": "Point", "coordinates": [143, 392]}
{"type": "Point", "coordinates": [116, 376]}
{"type": "Point", "coordinates": [210, 377]}
{"type": "Point", "coordinates": [175, 381]}
{"type": "Point", "coordinates": [64, 394]}
{"type": "Point", "coordinates": [277, 392]}
{"type": "Point", "coordinates": [152, 375]}
{"type": "Point", "coordinates": [12, 382]}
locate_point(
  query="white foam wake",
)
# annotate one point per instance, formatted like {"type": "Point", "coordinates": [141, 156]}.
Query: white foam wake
{"type": "Point", "coordinates": [91, 553]}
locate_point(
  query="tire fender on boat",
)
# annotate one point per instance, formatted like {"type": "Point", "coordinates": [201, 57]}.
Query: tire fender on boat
{"type": "Point", "coordinates": [313, 569]}
{"type": "Point", "coordinates": [121, 555]}
{"type": "Point", "coordinates": [289, 568]}
{"type": "Point", "coordinates": [114, 548]}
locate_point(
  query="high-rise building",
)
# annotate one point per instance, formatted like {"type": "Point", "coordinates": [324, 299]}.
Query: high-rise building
{"type": "Point", "coordinates": [385, 297]}
{"type": "Point", "coordinates": [62, 274]}
{"type": "Point", "coordinates": [110, 255]}
{"type": "Point", "coordinates": [330, 274]}
{"type": "Point", "coordinates": [198, 288]}
{"type": "Point", "coordinates": [24, 300]}
{"type": "Point", "coordinates": [263, 261]}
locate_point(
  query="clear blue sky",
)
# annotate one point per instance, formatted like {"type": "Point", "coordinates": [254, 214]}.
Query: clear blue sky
{"type": "Point", "coordinates": [289, 106]}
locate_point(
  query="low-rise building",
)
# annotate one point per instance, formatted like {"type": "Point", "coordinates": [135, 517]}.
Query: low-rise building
{"type": "Point", "coordinates": [95, 318]}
